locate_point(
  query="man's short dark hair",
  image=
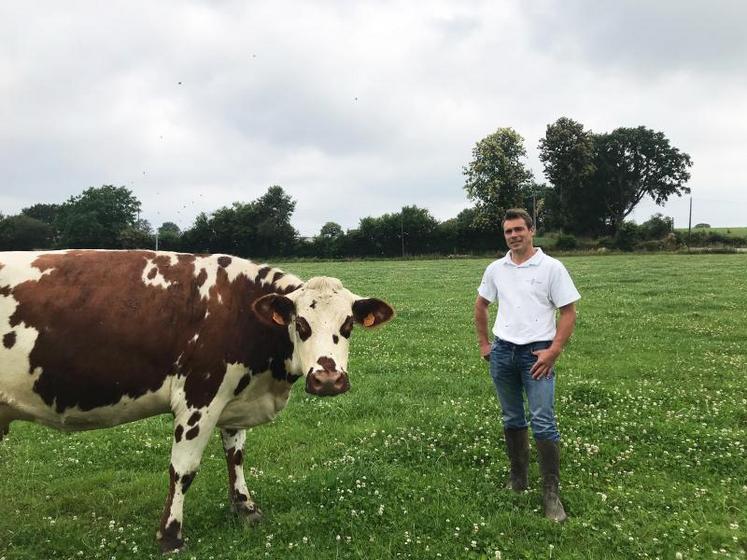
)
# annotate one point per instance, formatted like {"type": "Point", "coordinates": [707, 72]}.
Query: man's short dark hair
{"type": "Point", "coordinates": [515, 213]}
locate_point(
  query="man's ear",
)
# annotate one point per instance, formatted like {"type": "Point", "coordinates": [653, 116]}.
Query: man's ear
{"type": "Point", "coordinates": [371, 312]}
{"type": "Point", "coordinates": [274, 309]}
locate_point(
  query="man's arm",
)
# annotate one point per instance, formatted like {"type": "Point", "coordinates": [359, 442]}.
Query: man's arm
{"type": "Point", "coordinates": [546, 358]}
{"type": "Point", "coordinates": [481, 326]}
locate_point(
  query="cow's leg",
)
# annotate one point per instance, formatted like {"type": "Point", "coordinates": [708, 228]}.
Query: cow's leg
{"type": "Point", "coordinates": [192, 431]}
{"type": "Point", "coordinates": [238, 494]}
{"type": "Point", "coordinates": [6, 417]}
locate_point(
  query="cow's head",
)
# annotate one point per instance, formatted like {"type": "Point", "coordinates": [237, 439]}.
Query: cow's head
{"type": "Point", "coordinates": [319, 317]}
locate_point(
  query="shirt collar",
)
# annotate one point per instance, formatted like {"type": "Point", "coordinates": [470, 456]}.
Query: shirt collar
{"type": "Point", "coordinates": [535, 260]}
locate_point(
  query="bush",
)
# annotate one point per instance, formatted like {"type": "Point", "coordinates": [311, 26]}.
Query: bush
{"type": "Point", "coordinates": [627, 236]}
{"type": "Point", "coordinates": [656, 227]}
{"type": "Point", "coordinates": [566, 241]}
{"type": "Point", "coordinates": [650, 245]}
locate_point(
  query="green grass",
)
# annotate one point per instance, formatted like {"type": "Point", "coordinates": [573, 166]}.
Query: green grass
{"type": "Point", "coordinates": [652, 404]}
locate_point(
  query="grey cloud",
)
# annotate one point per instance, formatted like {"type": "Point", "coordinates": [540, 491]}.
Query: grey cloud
{"type": "Point", "coordinates": [648, 38]}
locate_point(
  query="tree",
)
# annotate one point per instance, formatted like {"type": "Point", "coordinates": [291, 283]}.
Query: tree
{"type": "Point", "coordinates": [198, 238]}
{"type": "Point", "coordinates": [496, 175]}
{"type": "Point", "coordinates": [23, 233]}
{"type": "Point", "coordinates": [260, 228]}
{"type": "Point", "coordinates": [137, 236]}
{"type": "Point", "coordinates": [534, 198]}
{"type": "Point", "coordinates": [567, 153]}
{"type": "Point", "coordinates": [96, 217]}
{"type": "Point", "coordinates": [330, 241]}
{"type": "Point", "coordinates": [598, 179]}
{"type": "Point", "coordinates": [275, 234]}
{"type": "Point", "coordinates": [331, 230]}
{"type": "Point", "coordinates": [632, 163]}
{"type": "Point", "coordinates": [169, 236]}
{"type": "Point", "coordinates": [46, 213]}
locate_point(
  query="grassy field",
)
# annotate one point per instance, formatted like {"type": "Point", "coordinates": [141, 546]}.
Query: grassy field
{"type": "Point", "coordinates": [652, 402]}
{"type": "Point", "coordinates": [728, 231]}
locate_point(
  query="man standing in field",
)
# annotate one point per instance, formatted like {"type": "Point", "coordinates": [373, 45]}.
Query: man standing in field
{"type": "Point", "coordinates": [529, 287]}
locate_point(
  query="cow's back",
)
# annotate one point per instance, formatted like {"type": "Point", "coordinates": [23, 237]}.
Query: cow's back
{"type": "Point", "coordinates": [94, 338]}
{"type": "Point", "coordinates": [87, 330]}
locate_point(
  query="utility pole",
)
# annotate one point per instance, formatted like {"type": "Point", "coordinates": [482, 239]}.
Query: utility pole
{"type": "Point", "coordinates": [402, 231]}
{"type": "Point", "coordinates": [690, 222]}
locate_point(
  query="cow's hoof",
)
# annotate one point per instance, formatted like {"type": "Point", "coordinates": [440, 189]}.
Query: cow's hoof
{"type": "Point", "coordinates": [170, 541]}
{"type": "Point", "coordinates": [171, 546]}
{"type": "Point", "coordinates": [250, 515]}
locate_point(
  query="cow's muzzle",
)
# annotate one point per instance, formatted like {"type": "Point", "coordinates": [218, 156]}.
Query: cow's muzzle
{"type": "Point", "coordinates": [327, 383]}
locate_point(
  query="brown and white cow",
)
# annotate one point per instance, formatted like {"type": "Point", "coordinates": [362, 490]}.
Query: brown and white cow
{"type": "Point", "coordinates": [92, 339]}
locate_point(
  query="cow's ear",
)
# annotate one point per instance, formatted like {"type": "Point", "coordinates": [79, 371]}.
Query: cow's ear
{"type": "Point", "coordinates": [371, 312]}
{"type": "Point", "coordinates": [274, 309]}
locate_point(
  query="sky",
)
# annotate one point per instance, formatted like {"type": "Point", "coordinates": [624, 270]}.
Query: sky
{"type": "Point", "coordinates": [355, 108]}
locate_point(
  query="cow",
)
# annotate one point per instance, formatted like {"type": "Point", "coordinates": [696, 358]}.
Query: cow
{"type": "Point", "coordinates": [97, 338]}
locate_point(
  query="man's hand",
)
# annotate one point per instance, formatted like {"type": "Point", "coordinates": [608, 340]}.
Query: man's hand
{"type": "Point", "coordinates": [481, 326]}
{"type": "Point", "coordinates": [485, 350]}
{"type": "Point", "coordinates": [545, 362]}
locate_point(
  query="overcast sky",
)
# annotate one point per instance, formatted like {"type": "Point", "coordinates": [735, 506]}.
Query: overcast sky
{"type": "Point", "coordinates": [354, 108]}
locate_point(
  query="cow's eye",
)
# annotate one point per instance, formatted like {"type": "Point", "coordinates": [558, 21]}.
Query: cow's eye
{"type": "Point", "coordinates": [303, 328]}
{"type": "Point", "coordinates": [347, 327]}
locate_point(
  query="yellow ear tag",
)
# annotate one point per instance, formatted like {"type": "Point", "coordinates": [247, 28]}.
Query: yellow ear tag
{"type": "Point", "coordinates": [278, 319]}
{"type": "Point", "coordinates": [369, 320]}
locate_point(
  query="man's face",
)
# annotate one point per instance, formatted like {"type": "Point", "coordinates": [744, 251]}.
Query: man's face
{"type": "Point", "coordinates": [519, 237]}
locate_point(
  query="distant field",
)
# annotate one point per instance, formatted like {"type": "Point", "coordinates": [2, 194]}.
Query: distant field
{"type": "Point", "coordinates": [730, 231]}
{"type": "Point", "coordinates": [652, 401]}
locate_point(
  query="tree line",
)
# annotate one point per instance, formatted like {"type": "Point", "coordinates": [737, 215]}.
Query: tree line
{"type": "Point", "coordinates": [595, 181]}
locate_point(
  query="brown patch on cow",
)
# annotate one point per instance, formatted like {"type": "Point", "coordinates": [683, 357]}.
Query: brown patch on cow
{"type": "Point", "coordinates": [235, 336]}
{"type": "Point", "coordinates": [169, 537]}
{"type": "Point", "coordinates": [103, 334]}
{"type": "Point", "coordinates": [327, 363]}
{"type": "Point", "coordinates": [224, 261]}
{"type": "Point", "coordinates": [243, 382]}
{"type": "Point", "coordinates": [231, 464]}
{"type": "Point", "coordinates": [152, 273]}
{"type": "Point", "coordinates": [9, 340]}
{"type": "Point", "coordinates": [194, 418]}
{"type": "Point", "coordinates": [192, 433]}
{"type": "Point", "coordinates": [264, 271]}
{"type": "Point", "coordinates": [178, 433]}
{"type": "Point", "coordinates": [335, 338]}
{"type": "Point", "coordinates": [187, 481]}
{"type": "Point", "coordinates": [234, 460]}
{"type": "Point", "coordinates": [303, 328]}
{"type": "Point", "coordinates": [313, 304]}
{"type": "Point", "coordinates": [277, 276]}
{"type": "Point", "coordinates": [5, 291]}
{"type": "Point", "coordinates": [347, 327]}
{"type": "Point", "coordinates": [201, 277]}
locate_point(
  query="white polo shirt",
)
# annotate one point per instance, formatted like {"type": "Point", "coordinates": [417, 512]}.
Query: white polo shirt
{"type": "Point", "coordinates": [528, 295]}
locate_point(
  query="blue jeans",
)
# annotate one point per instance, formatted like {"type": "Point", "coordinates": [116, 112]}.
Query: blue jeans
{"type": "Point", "coordinates": [509, 367]}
